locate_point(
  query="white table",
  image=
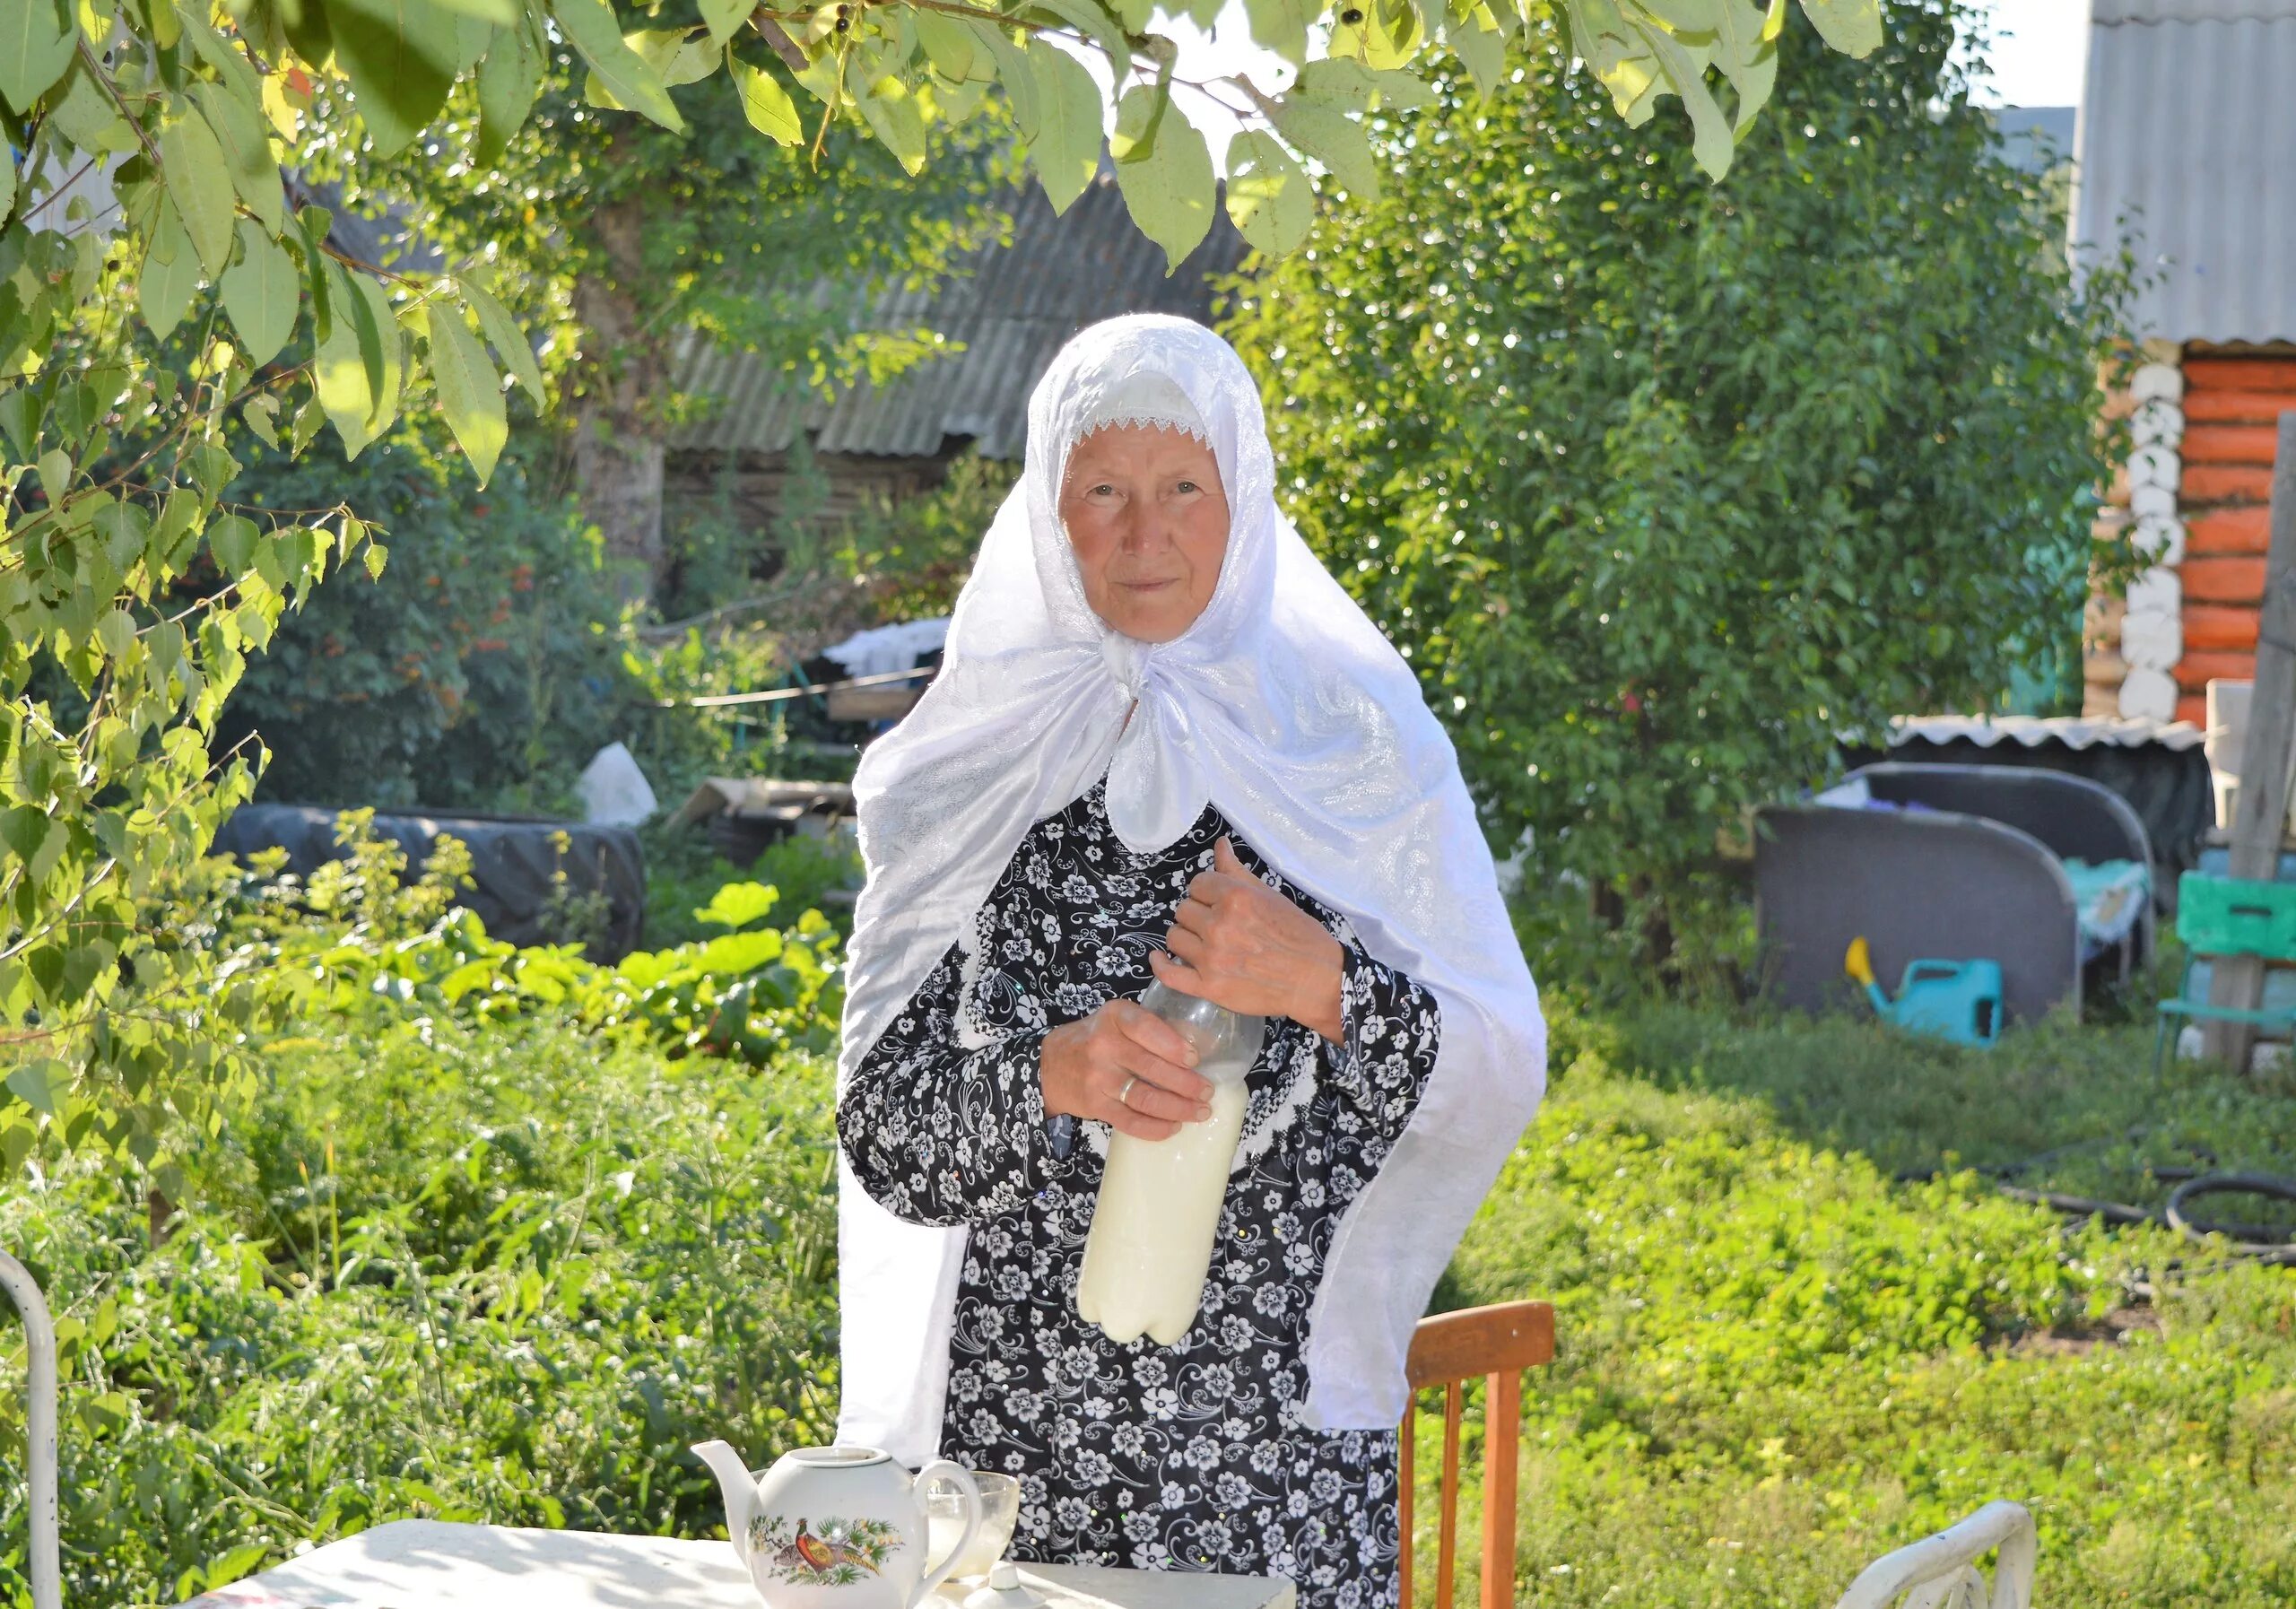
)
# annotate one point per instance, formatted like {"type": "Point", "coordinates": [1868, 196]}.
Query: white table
{"type": "Point", "coordinates": [428, 1564]}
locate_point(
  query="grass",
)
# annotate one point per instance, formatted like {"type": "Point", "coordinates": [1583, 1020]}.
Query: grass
{"type": "Point", "coordinates": [507, 1271]}
{"type": "Point", "coordinates": [1776, 1361]}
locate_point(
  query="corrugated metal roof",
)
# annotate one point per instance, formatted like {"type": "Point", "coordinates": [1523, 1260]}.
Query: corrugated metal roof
{"type": "Point", "coordinates": [2106, 12]}
{"type": "Point", "coordinates": [1010, 308]}
{"type": "Point", "coordinates": [2189, 131]}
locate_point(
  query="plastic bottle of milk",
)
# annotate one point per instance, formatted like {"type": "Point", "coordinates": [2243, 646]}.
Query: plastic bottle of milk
{"type": "Point", "coordinates": [1159, 1207]}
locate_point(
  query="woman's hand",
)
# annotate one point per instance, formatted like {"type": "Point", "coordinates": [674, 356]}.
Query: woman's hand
{"type": "Point", "coordinates": [1127, 1066]}
{"type": "Point", "coordinates": [1239, 943]}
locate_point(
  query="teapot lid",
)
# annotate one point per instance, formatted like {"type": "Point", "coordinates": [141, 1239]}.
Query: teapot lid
{"type": "Point", "coordinates": [1005, 1590]}
{"type": "Point", "coordinates": [837, 1458]}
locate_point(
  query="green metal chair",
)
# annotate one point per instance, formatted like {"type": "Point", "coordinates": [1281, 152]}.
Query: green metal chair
{"type": "Point", "coordinates": [2224, 916]}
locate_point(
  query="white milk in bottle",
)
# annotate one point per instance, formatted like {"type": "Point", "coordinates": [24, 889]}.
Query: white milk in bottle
{"type": "Point", "coordinates": [1159, 1209]}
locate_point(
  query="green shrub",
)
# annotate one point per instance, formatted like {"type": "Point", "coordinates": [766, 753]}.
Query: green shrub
{"type": "Point", "coordinates": [913, 555]}
{"type": "Point", "coordinates": [479, 670]}
{"type": "Point", "coordinates": [462, 1271]}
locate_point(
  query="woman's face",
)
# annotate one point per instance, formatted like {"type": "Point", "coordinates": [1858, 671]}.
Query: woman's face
{"type": "Point", "coordinates": [1148, 518]}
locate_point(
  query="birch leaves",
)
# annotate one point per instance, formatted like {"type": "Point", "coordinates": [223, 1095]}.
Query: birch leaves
{"type": "Point", "coordinates": [1642, 50]}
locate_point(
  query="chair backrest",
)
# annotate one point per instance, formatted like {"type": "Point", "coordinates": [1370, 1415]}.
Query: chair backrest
{"type": "Point", "coordinates": [1495, 1342]}
{"type": "Point", "coordinates": [2226, 916]}
{"type": "Point", "coordinates": [1940, 1571]}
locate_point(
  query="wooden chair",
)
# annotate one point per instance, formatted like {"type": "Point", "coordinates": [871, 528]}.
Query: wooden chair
{"type": "Point", "coordinates": [1497, 1343]}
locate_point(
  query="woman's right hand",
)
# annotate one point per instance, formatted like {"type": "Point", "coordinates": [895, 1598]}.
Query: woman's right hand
{"type": "Point", "coordinates": [1127, 1066]}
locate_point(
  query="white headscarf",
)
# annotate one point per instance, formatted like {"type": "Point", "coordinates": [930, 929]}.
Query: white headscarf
{"type": "Point", "coordinates": [1284, 705]}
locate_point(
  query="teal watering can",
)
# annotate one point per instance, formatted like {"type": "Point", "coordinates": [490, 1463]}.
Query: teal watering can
{"type": "Point", "coordinates": [1954, 1000]}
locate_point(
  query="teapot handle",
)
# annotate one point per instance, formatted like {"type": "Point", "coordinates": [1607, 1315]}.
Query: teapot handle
{"type": "Point", "coordinates": [941, 1468]}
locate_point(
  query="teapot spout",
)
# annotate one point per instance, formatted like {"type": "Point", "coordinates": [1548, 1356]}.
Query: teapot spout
{"type": "Point", "coordinates": [740, 1489]}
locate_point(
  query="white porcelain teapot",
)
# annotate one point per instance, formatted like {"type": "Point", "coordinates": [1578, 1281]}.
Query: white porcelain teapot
{"type": "Point", "coordinates": [837, 1527]}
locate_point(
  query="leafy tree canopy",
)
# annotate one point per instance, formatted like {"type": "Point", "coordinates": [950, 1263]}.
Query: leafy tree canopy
{"type": "Point", "coordinates": [1665, 487]}
{"type": "Point", "coordinates": [161, 289]}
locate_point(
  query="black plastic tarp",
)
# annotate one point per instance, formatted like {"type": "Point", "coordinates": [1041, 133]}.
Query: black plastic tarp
{"type": "Point", "coordinates": [513, 863]}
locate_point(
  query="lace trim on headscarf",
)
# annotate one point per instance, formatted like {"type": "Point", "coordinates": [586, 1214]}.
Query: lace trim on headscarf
{"type": "Point", "coordinates": [1145, 399]}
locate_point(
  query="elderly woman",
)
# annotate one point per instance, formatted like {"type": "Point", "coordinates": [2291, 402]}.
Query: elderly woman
{"type": "Point", "coordinates": [1165, 744]}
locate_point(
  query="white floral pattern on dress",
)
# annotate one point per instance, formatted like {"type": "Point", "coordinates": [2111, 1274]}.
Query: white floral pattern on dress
{"type": "Point", "coordinates": [1187, 1457]}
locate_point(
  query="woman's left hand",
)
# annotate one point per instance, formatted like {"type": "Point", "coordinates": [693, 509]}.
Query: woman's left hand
{"type": "Point", "coordinates": [1238, 943]}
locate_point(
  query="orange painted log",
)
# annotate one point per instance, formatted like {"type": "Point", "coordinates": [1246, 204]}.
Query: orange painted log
{"type": "Point", "coordinates": [2239, 374]}
{"type": "Point", "coordinates": [2230, 444]}
{"type": "Point", "coordinates": [2223, 580]}
{"type": "Point", "coordinates": [2193, 708]}
{"type": "Point", "coordinates": [2195, 671]}
{"type": "Point", "coordinates": [2219, 626]}
{"type": "Point", "coordinates": [2232, 530]}
{"type": "Point", "coordinates": [2237, 407]}
{"type": "Point", "coordinates": [2225, 484]}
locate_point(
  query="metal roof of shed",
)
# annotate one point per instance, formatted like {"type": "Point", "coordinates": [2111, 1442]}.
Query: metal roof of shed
{"type": "Point", "coordinates": [2189, 130]}
{"type": "Point", "coordinates": [1010, 307]}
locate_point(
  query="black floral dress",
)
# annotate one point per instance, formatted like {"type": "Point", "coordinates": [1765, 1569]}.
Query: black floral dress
{"type": "Point", "coordinates": [1186, 1458]}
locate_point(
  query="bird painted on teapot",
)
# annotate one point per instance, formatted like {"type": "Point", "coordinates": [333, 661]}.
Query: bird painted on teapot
{"type": "Point", "coordinates": [836, 1528]}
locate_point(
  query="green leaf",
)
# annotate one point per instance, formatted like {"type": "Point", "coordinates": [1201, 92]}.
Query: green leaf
{"type": "Point", "coordinates": [502, 13]}
{"type": "Point", "coordinates": [37, 38]}
{"type": "Point", "coordinates": [200, 185]}
{"type": "Point", "coordinates": [952, 47]}
{"type": "Point", "coordinates": [679, 55]}
{"type": "Point", "coordinates": [738, 904]}
{"type": "Point", "coordinates": [1096, 24]}
{"type": "Point", "coordinates": [509, 340]}
{"type": "Point", "coordinates": [1747, 58]}
{"type": "Point", "coordinates": [722, 17]}
{"type": "Point", "coordinates": [393, 344]}
{"type": "Point", "coordinates": [590, 28]}
{"type": "Point", "coordinates": [170, 272]}
{"type": "Point", "coordinates": [1281, 26]}
{"type": "Point", "coordinates": [1476, 42]}
{"type": "Point", "coordinates": [261, 292]}
{"type": "Point", "coordinates": [42, 1085]}
{"type": "Point", "coordinates": [230, 64]}
{"type": "Point", "coordinates": [7, 180]}
{"type": "Point", "coordinates": [116, 630]}
{"type": "Point", "coordinates": [893, 116]}
{"type": "Point", "coordinates": [246, 149]}
{"type": "Point", "coordinates": [1318, 128]}
{"type": "Point", "coordinates": [347, 372]}
{"type": "Point", "coordinates": [400, 55]}
{"type": "Point", "coordinates": [1684, 16]}
{"type": "Point", "coordinates": [1617, 55]}
{"type": "Point", "coordinates": [375, 557]}
{"type": "Point", "coordinates": [1164, 169]}
{"type": "Point", "coordinates": [767, 105]}
{"type": "Point", "coordinates": [470, 393]}
{"type": "Point", "coordinates": [232, 539]}
{"type": "Point", "coordinates": [1066, 150]}
{"type": "Point", "coordinates": [309, 30]}
{"type": "Point", "coordinates": [1269, 198]}
{"type": "Point", "coordinates": [509, 76]}
{"type": "Point", "coordinates": [1015, 72]}
{"type": "Point", "coordinates": [1712, 140]}
{"type": "Point", "coordinates": [1853, 27]}
{"type": "Point", "coordinates": [1389, 35]}
{"type": "Point", "coordinates": [88, 116]}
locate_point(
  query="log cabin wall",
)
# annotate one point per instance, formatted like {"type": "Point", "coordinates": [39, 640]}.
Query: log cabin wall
{"type": "Point", "coordinates": [2234, 396]}
{"type": "Point", "coordinates": [2133, 644]}
{"type": "Point", "coordinates": [2197, 487]}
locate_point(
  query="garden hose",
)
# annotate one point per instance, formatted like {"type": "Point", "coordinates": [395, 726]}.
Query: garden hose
{"type": "Point", "coordinates": [2263, 1243]}
{"type": "Point", "coordinates": [2259, 1242]}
